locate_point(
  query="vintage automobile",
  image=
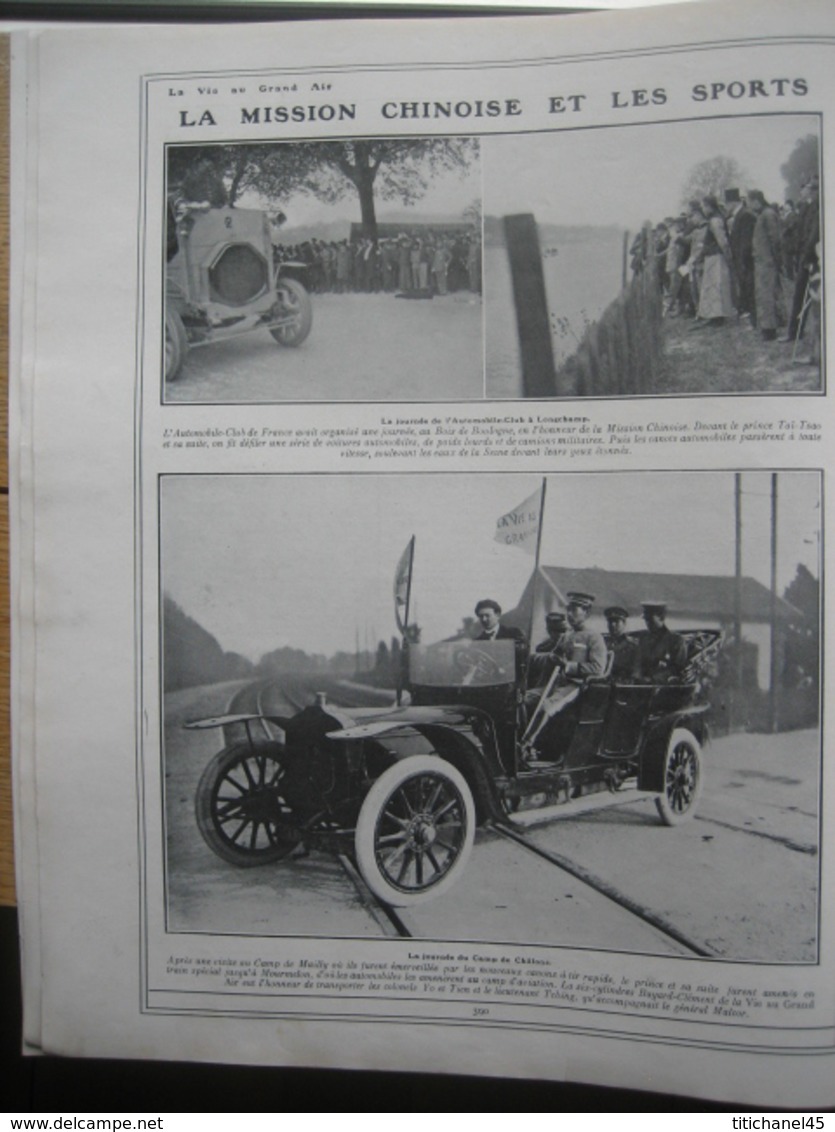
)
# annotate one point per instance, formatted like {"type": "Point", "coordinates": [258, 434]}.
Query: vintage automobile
{"type": "Point", "coordinates": [221, 282]}
{"type": "Point", "coordinates": [401, 791]}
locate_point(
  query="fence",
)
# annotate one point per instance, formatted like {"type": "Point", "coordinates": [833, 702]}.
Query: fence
{"type": "Point", "coordinates": [622, 353]}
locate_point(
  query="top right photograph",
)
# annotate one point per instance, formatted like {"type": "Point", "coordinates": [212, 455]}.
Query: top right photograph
{"type": "Point", "coordinates": [668, 259]}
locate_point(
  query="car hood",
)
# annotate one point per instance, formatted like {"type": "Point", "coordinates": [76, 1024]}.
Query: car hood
{"type": "Point", "coordinates": [406, 719]}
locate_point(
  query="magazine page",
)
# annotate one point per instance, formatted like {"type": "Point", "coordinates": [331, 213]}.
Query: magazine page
{"type": "Point", "coordinates": [427, 505]}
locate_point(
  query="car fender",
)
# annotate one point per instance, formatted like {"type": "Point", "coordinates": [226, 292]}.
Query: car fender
{"type": "Point", "coordinates": [654, 749]}
{"type": "Point", "coordinates": [457, 744]}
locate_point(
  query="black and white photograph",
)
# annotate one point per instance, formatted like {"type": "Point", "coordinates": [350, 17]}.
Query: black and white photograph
{"type": "Point", "coordinates": [677, 258]}
{"type": "Point", "coordinates": [578, 710]}
{"type": "Point", "coordinates": [324, 271]}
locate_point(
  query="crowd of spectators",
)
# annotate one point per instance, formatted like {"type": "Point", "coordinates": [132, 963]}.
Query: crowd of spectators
{"type": "Point", "coordinates": [432, 262]}
{"type": "Point", "coordinates": [744, 258]}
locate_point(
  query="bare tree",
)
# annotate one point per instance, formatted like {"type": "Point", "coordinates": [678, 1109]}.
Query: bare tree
{"type": "Point", "coordinates": [711, 177]}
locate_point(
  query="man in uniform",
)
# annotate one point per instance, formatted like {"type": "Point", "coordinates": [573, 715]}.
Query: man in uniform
{"type": "Point", "coordinates": [581, 655]}
{"type": "Point", "coordinates": [662, 654]}
{"type": "Point", "coordinates": [546, 652]}
{"type": "Point", "coordinates": [623, 648]}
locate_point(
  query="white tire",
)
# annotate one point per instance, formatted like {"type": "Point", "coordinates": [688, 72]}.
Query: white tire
{"type": "Point", "coordinates": [415, 830]}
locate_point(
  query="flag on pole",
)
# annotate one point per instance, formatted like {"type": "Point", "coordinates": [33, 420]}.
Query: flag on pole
{"type": "Point", "coordinates": [403, 585]}
{"type": "Point", "coordinates": [520, 527]}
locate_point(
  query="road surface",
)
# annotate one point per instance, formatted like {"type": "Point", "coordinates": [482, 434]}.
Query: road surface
{"type": "Point", "coordinates": [361, 348]}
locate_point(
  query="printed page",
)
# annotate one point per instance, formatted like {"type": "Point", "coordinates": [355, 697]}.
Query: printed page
{"type": "Point", "coordinates": [428, 438]}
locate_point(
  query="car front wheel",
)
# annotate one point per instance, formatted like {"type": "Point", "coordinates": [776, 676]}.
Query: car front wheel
{"type": "Point", "coordinates": [415, 830]}
{"type": "Point", "coordinates": [240, 805]}
{"type": "Point", "coordinates": [295, 307]}
{"type": "Point", "coordinates": [682, 778]}
{"type": "Point", "coordinates": [176, 345]}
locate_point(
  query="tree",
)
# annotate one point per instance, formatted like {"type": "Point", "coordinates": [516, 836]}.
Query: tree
{"type": "Point", "coordinates": [400, 169]}
{"type": "Point", "coordinates": [802, 163]}
{"type": "Point", "coordinates": [804, 594]}
{"type": "Point", "coordinates": [192, 655]}
{"type": "Point", "coordinates": [389, 169]}
{"type": "Point", "coordinates": [273, 171]}
{"type": "Point", "coordinates": [473, 214]}
{"type": "Point", "coordinates": [711, 177]}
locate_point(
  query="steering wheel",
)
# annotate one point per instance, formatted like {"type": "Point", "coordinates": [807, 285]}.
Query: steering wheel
{"type": "Point", "coordinates": [477, 665]}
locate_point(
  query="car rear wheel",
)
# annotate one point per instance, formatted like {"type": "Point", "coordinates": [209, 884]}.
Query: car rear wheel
{"type": "Point", "coordinates": [240, 805]}
{"type": "Point", "coordinates": [682, 778]}
{"type": "Point", "coordinates": [415, 830]}
{"type": "Point", "coordinates": [176, 345]}
{"type": "Point", "coordinates": [295, 306]}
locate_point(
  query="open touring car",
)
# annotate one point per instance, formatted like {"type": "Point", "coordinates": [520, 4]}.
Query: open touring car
{"type": "Point", "coordinates": [402, 790]}
{"type": "Point", "coordinates": [222, 282]}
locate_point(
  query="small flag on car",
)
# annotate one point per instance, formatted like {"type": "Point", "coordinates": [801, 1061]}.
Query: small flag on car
{"type": "Point", "coordinates": [403, 585]}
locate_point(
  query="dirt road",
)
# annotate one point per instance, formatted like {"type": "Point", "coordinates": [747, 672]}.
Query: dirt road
{"type": "Point", "coordinates": [361, 348]}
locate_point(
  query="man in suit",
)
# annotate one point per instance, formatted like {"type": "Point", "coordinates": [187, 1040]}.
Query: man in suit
{"type": "Point", "coordinates": [662, 654]}
{"type": "Point", "coordinates": [488, 613]}
{"type": "Point", "coordinates": [741, 223]}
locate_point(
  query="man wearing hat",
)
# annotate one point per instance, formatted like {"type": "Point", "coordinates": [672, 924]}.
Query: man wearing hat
{"type": "Point", "coordinates": [741, 222]}
{"type": "Point", "coordinates": [545, 654]}
{"type": "Point", "coordinates": [580, 656]}
{"type": "Point", "coordinates": [623, 648]}
{"type": "Point", "coordinates": [662, 654]}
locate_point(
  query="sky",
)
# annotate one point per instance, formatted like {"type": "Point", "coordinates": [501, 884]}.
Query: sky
{"type": "Point", "coordinates": [626, 175]}
{"type": "Point", "coordinates": [448, 195]}
{"type": "Point", "coordinates": [309, 561]}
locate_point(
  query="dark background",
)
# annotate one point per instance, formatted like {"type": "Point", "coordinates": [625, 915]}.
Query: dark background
{"type": "Point", "coordinates": [70, 1085]}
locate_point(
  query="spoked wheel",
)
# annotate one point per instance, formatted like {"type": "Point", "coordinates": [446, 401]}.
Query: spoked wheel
{"type": "Point", "coordinates": [415, 830]}
{"type": "Point", "coordinates": [295, 306]}
{"type": "Point", "coordinates": [176, 345]}
{"type": "Point", "coordinates": [240, 806]}
{"type": "Point", "coordinates": [682, 778]}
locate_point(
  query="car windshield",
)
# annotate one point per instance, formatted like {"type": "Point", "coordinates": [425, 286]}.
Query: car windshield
{"type": "Point", "coordinates": [462, 664]}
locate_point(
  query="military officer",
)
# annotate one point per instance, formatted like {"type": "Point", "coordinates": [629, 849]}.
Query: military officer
{"type": "Point", "coordinates": [662, 654]}
{"type": "Point", "coordinates": [546, 652]}
{"type": "Point", "coordinates": [623, 648]}
{"type": "Point", "coordinates": [581, 656]}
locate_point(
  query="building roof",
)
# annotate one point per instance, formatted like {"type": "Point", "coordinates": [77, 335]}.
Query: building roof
{"type": "Point", "coordinates": [701, 596]}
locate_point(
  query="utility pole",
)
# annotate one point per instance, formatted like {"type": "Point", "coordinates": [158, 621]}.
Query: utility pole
{"type": "Point", "coordinates": [773, 676]}
{"type": "Point", "coordinates": [738, 675]}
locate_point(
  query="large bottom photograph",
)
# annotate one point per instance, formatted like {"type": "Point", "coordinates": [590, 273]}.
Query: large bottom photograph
{"type": "Point", "coordinates": [579, 710]}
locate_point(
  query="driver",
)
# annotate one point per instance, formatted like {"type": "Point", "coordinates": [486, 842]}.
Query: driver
{"type": "Point", "coordinates": [580, 656]}
{"type": "Point", "coordinates": [488, 613]}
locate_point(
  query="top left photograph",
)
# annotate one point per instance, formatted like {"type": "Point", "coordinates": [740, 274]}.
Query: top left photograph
{"type": "Point", "coordinates": [345, 270]}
